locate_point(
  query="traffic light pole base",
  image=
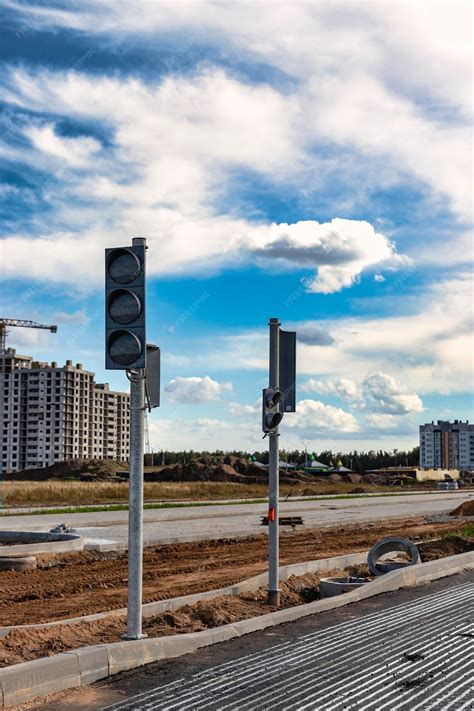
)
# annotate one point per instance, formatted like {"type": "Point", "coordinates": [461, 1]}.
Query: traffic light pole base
{"type": "Point", "coordinates": [274, 598]}
{"type": "Point", "coordinates": [131, 637]}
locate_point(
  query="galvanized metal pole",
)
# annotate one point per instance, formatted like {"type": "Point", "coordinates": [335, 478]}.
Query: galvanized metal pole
{"type": "Point", "coordinates": [135, 500]}
{"type": "Point", "coordinates": [273, 478]}
{"type": "Point", "coordinates": [135, 506]}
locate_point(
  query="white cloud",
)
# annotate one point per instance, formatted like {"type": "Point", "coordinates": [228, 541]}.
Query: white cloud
{"type": "Point", "coordinates": [236, 409]}
{"type": "Point", "coordinates": [173, 144]}
{"type": "Point", "coordinates": [196, 390]}
{"type": "Point", "coordinates": [379, 277]}
{"type": "Point", "coordinates": [378, 392]}
{"type": "Point", "coordinates": [77, 152]}
{"type": "Point", "coordinates": [391, 80]}
{"type": "Point", "coordinates": [312, 416]}
{"type": "Point", "coordinates": [357, 112]}
{"type": "Point", "coordinates": [429, 348]}
{"type": "Point", "coordinates": [341, 250]}
{"type": "Point", "coordinates": [382, 422]}
{"type": "Point", "coordinates": [343, 387]}
{"type": "Point", "coordinates": [204, 433]}
{"type": "Point", "coordinates": [382, 393]}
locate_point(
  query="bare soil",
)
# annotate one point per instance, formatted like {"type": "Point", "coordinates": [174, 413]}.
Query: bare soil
{"type": "Point", "coordinates": [464, 509]}
{"type": "Point", "coordinates": [24, 645]}
{"type": "Point", "coordinates": [77, 584]}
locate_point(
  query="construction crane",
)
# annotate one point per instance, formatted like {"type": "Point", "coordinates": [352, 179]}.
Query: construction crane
{"type": "Point", "coordinates": [7, 322]}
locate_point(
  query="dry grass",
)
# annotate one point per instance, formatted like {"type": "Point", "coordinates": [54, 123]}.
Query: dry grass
{"type": "Point", "coordinates": [57, 493]}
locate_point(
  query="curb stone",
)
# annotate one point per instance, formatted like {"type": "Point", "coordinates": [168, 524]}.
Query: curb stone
{"type": "Point", "coordinates": [150, 609]}
{"type": "Point", "coordinates": [28, 680]}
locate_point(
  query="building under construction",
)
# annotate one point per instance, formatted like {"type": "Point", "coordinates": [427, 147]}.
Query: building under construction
{"type": "Point", "coordinates": [50, 414]}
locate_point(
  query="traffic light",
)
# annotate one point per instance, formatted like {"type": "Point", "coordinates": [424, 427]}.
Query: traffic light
{"type": "Point", "coordinates": [125, 333]}
{"type": "Point", "coordinates": [271, 415]}
{"type": "Point", "coordinates": [287, 369]}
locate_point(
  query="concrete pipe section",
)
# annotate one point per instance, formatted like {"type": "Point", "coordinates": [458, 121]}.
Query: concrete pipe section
{"type": "Point", "coordinates": [392, 544]}
{"type": "Point", "coordinates": [20, 564]}
{"type": "Point", "coordinates": [14, 544]}
{"type": "Point", "coordinates": [329, 587]}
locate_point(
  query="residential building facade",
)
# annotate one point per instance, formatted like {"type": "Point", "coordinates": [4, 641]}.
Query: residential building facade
{"type": "Point", "coordinates": [50, 414]}
{"type": "Point", "coordinates": [448, 445]}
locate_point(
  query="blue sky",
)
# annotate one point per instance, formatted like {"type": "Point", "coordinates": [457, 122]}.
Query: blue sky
{"type": "Point", "coordinates": [310, 161]}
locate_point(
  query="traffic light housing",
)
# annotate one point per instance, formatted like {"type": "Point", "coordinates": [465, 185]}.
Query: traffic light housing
{"type": "Point", "coordinates": [125, 332]}
{"type": "Point", "coordinates": [271, 415]}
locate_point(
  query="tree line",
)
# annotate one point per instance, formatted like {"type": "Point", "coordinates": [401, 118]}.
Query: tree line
{"type": "Point", "coordinates": [354, 460]}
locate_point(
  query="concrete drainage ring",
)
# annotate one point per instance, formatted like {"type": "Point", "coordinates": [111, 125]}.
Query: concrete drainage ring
{"type": "Point", "coordinates": [392, 544]}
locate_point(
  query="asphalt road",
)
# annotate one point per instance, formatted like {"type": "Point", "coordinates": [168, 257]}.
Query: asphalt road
{"type": "Point", "coordinates": [109, 528]}
{"type": "Point", "coordinates": [226, 520]}
{"type": "Point", "coordinates": [410, 650]}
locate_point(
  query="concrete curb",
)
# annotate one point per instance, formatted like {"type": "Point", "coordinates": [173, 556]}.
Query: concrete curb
{"type": "Point", "coordinates": [46, 542]}
{"type": "Point", "coordinates": [92, 545]}
{"type": "Point", "coordinates": [22, 682]}
{"type": "Point", "coordinates": [323, 565]}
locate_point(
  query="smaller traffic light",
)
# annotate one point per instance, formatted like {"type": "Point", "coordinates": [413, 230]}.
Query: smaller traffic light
{"type": "Point", "coordinates": [271, 415]}
{"type": "Point", "coordinates": [125, 340]}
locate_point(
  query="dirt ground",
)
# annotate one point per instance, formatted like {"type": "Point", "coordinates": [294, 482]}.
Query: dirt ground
{"type": "Point", "coordinates": [464, 509]}
{"type": "Point", "coordinates": [77, 584]}
{"type": "Point", "coordinates": [24, 645]}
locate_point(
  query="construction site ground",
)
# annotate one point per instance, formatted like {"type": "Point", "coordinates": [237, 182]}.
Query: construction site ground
{"type": "Point", "coordinates": [77, 584]}
{"type": "Point", "coordinates": [386, 644]}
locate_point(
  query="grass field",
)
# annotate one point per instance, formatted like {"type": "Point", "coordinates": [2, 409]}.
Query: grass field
{"type": "Point", "coordinates": [58, 493]}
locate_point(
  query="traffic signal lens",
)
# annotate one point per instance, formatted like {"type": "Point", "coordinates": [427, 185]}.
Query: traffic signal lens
{"type": "Point", "coordinates": [273, 419]}
{"type": "Point", "coordinates": [124, 348]}
{"type": "Point", "coordinates": [272, 398]}
{"type": "Point", "coordinates": [124, 306]}
{"type": "Point", "coordinates": [124, 266]}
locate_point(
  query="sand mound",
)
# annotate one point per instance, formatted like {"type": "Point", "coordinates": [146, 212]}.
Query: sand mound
{"type": "Point", "coordinates": [464, 509]}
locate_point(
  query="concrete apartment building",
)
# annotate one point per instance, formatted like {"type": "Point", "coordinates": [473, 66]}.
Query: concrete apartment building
{"type": "Point", "coordinates": [49, 414]}
{"type": "Point", "coordinates": [448, 445]}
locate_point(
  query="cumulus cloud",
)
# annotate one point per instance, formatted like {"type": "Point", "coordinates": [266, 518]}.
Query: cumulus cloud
{"type": "Point", "coordinates": [382, 422]}
{"type": "Point", "coordinates": [340, 250]}
{"type": "Point", "coordinates": [431, 344]}
{"type": "Point", "coordinates": [236, 409]}
{"type": "Point", "coordinates": [378, 392]}
{"type": "Point", "coordinates": [429, 348]}
{"type": "Point", "coordinates": [383, 394]}
{"type": "Point", "coordinates": [312, 416]}
{"type": "Point", "coordinates": [343, 387]}
{"type": "Point", "coordinates": [196, 390]}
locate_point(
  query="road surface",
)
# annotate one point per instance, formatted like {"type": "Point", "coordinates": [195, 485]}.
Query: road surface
{"type": "Point", "coordinates": [109, 528]}
{"type": "Point", "coordinates": [410, 650]}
